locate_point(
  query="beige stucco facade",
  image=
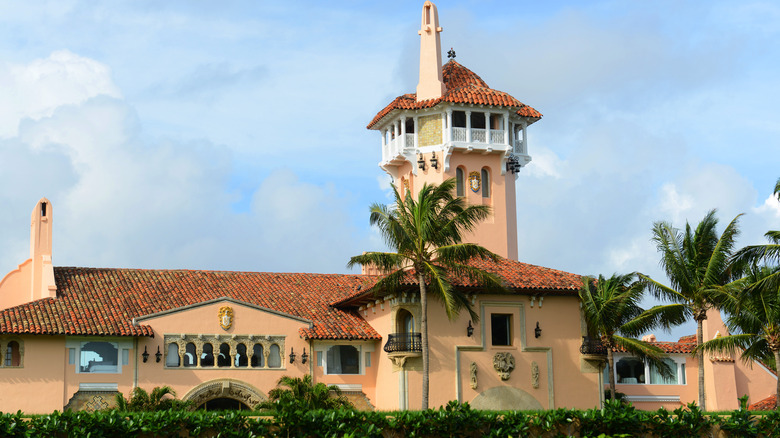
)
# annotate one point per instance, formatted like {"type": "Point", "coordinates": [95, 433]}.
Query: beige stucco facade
{"type": "Point", "coordinates": [74, 337]}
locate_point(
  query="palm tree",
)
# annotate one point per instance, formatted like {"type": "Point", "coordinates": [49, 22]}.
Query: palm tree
{"type": "Point", "coordinates": [142, 401]}
{"type": "Point", "coordinates": [426, 235]}
{"type": "Point", "coordinates": [612, 312]}
{"type": "Point", "coordinates": [754, 320]}
{"type": "Point", "coordinates": [696, 263]}
{"type": "Point", "coordinates": [295, 393]}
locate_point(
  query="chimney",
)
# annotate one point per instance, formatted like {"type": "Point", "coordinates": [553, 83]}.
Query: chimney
{"type": "Point", "coordinates": [431, 84]}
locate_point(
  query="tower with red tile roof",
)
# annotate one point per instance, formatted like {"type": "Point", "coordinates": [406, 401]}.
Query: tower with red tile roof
{"type": "Point", "coordinates": [455, 126]}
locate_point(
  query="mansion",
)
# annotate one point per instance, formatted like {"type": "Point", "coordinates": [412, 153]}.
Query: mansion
{"type": "Point", "coordinates": [73, 337]}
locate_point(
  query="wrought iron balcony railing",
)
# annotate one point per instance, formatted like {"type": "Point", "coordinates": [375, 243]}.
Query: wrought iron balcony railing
{"type": "Point", "coordinates": [592, 346]}
{"type": "Point", "coordinates": [403, 343]}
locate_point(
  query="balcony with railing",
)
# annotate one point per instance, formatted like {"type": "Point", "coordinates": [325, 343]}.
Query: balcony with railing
{"type": "Point", "coordinates": [404, 343]}
{"type": "Point", "coordinates": [592, 348]}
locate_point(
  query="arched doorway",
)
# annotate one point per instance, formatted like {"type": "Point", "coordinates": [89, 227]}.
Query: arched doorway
{"type": "Point", "coordinates": [223, 394]}
{"type": "Point", "coordinates": [223, 404]}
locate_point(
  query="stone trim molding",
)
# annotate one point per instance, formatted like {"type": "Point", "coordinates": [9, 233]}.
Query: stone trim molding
{"type": "Point", "coordinates": [523, 348]}
{"type": "Point", "coordinates": [249, 341]}
{"type": "Point", "coordinates": [4, 341]}
{"type": "Point", "coordinates": [225, 388]}
{"type": "Point", "coordinates": [137, 319]}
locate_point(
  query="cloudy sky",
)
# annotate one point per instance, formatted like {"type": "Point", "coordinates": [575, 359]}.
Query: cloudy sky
{"type": "Point", "coordinates": [231, 135]}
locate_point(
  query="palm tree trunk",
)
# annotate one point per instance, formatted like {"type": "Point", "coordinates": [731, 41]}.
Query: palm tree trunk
{"type": "Point", "coordinates": [424, 338]}
{"type": "Point", "coordinates": [700, 359]}
{"type": "Point", "coordinates": [611, 362]}
{"type": "Point", "coordinates": [777, 361]}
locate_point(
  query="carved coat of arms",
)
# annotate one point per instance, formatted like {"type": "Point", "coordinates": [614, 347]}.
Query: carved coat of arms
{"type": "Point", "coordinates": [504, 363]}
{"type": "Point", "coordinates": [225, 317]}
{"type": "Point", "coordinates": [475, 181]}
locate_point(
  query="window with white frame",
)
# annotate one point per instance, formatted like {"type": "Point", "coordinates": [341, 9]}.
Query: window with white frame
{"type": "Point", "coordinates": [634, 371]}
{"type": "Point", "coordinates": [98, 357]}
{"type": "Point", "coordinates": [343, 359]}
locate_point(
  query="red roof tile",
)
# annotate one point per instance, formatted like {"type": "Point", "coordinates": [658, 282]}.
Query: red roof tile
{"type": "Point", "coordinates": [519, 277]}
{"type": "Point", "coordinates": [93, 301]}
{"type": "Point", "coordinates": [675, 347]}
{"type": "Point", "coordinates": [463, 86]}
{"type": "Point", "coordinates": [690, 339]}
{"type": "Point", "coordinates": [767, 404]}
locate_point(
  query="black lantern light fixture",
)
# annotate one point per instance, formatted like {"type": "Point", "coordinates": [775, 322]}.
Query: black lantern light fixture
{"type": "Point", "coordinates": [537, 330]}
{"type": "Point", "coordinates": [145, 355]}
{"type": "Point", "coordinates": [434, 161]}
{"type": "Point", "coordinates": [469, 329]}
{"type": "Point", "coordinates": [158, 355]}
{"type": "Point", "coordinates": [421, 162]}
{"type": "Point", "coordinates": [292, 355]}
{"type": "Point", "coordinates": [304, 356]}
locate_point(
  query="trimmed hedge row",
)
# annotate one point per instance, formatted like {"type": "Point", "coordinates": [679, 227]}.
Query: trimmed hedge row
{"type": "Point", "coordinates": [453, 420]}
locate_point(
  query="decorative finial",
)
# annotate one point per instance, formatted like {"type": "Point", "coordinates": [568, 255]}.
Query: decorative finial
{"type": "Point", "coordinates": [451, 53]}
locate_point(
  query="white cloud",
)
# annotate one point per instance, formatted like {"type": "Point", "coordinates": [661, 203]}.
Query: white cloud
{"type": "Point", "coordinates": [36, 89]}
{"type": "Point", "coordinates": [771, 205]}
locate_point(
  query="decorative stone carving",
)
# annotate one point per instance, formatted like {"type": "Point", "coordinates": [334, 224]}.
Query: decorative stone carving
{"type": "Point", "coordinates": [225, 388]}
{"type": "Point", "coordinates": [232, 340]}
{"type": "Point", "coordinates": [504, 363]}
{"type": "Point", "coordinates": [535, 375]}
{"type": "Point", "coordinates": [225, 317]}
{"type": "Point", "coordinates": [473, 371]}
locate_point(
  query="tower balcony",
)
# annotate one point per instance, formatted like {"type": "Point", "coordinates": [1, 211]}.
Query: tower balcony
{"type": "Point", "coordinates": [468, 130]}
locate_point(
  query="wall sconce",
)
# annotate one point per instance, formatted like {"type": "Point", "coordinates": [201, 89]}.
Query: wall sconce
{"type": "Point", "coordinates": [537, 330]}
{"type": "Point", "coordinates": [145, 354]}
{"type": "Point", "coordinates": [292, 355]}
{"type": "Point", "coordinates": [304, 356]}
{"type": "Point", "coordinates": [469, 329]}
{"type": "Point", "coordinates": [158, 355]}
{"type": "Point", "coordinates": [434, 161]}
{"type": "Point", "coordinates": [421, 162]}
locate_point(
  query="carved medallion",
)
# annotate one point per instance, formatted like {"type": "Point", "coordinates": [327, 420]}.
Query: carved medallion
{"type": "Point", "coordinates": [475, 181]}
{"type": "Point", "coordinates": [225, 317]}
{"type": "Point", "coordinates": [504, 363]}
{"type": "Point", "coordinates": [535, 375]}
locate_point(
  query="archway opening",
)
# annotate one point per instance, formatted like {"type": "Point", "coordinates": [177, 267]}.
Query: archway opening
{"type": "Point", "coordinates": [223, 404]}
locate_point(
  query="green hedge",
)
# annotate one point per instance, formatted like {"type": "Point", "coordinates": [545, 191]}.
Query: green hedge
{"type": "Point", "coordinates": [454, 420]}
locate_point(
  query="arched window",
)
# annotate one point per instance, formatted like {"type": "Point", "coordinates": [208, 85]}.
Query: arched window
{"type": "Point", "coordinates": [257, 356]}
{"type": "Point", "coordinates": [223, 359]}
{"type": "Point", "coordinates": [241, 356]}
{"type": "Point", "coordinates": [172, 359]}
{"type": "Point", "coordinates": [275, 357]}
{"type": "Point", "coordinates": [485, 182]}
{"type": "Point", "coordinates": [207, 356]}
{"type": "Point", "coordinates": [13, 357]}
{"type": "Point", "coordinates": [190, 353]}
{"type": "Point", "coordinates": [405, 321]}
{"type": "Point", "coordinates": [460, 182]}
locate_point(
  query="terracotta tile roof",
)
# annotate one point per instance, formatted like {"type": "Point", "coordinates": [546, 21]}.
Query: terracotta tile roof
{"type": "Point", "coordinates": [767, 404]}
{"type": "Point", "coordinates": [463, 86]}
{"type": "Point", "coordinates": [519, 277]}
{"type": "Point", "coordinates": [95, 301]}
{"type": "Point", "coordinates": [690, 339]}
{"type": "Point", "coordinates": [674, 347]}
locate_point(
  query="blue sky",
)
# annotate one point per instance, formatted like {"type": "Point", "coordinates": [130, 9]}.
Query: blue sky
{"type": "Point", "coordinates": [231, 135]}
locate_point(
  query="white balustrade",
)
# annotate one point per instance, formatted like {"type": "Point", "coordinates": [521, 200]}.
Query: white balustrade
{"type": "Point", "coordinates": [496, 136]}
{"type": "Point", "coordinates": [478, 135]}
{"type": "Point", "coordinates": [458, 134]}
{"type": "Point", "coordinates": [519, 146]}
{"type": "Point", "coordinates": [409, 140]}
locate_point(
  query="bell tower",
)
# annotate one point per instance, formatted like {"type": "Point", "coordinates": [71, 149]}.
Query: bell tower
{"type": "Point", "coordinates": [455, 126]}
